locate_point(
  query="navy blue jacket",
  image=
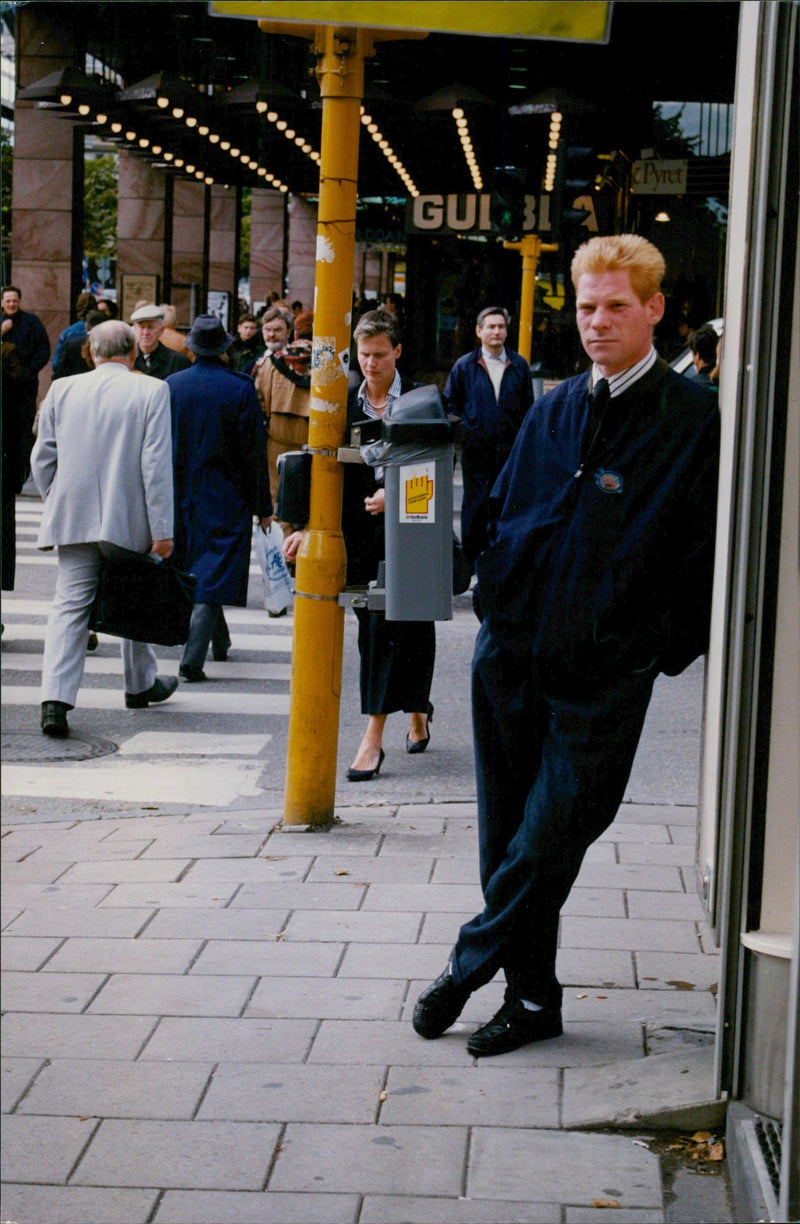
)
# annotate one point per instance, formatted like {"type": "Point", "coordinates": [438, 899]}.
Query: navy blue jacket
{"type": "Point", "coordinates": [489, 419]}
{"type": "Point", "coordinates": [606, 572]}
{"type": "Point", "coordinates": [69, 333]}
{"type": "Point", "coordinates": [491, 424]}
{"type": "Point", "coordinates": [28, 333]}
{"type": "Point", "coordinates": [219, 448]}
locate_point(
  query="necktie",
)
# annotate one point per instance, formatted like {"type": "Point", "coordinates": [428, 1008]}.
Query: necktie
{"type": "Point", "coordinates": [600, 397]}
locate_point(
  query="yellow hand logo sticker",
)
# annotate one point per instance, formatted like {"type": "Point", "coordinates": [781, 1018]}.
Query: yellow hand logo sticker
{"type": "Point", "coordinates": [419, 491]}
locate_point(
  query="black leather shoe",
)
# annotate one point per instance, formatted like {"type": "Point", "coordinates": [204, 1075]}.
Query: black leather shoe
{"type": "Point", "coordinates": [220, 656]}
{"type": "Point", "coordinates": [415, 746]}
{"type": "Point", "coordinates": [192, 675]}
{"type": "Point", "coordinates": [364, 775]}
{"type": "Point", "coordinates": [54, 719]}
{"type": "Point", "coordinates": [439, 1006]}
{"type": "Point", "coordinates": [514, 1026]}
{"type": "Point", "coordinates": [160, 691]}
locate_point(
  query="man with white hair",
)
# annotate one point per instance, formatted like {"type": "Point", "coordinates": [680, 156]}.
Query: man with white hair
{"type": "Point", "coordinates": [103, 465]}
{"type": "Point", "coordinates": [153, 357]}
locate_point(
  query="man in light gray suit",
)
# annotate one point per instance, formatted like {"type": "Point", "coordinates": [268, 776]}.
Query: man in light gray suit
{"type": "Point", "coordinates": [103, 465]}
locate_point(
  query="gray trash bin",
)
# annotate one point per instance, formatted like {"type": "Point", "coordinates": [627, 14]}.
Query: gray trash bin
{"type": "Point", "coordinates": [416, 454]}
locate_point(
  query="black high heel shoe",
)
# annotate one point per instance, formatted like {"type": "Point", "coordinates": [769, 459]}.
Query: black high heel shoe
{"type": "Point", "coordinates": [364, 775]}
{"type": "Point", "coordinates": [415, 746]}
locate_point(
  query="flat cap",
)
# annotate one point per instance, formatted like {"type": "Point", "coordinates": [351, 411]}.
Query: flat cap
{"type": "Point", "coordinates": [145, 313]}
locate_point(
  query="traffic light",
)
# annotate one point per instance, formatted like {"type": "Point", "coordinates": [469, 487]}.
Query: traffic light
{"type": "Point", "coordinates": [507, 202]}
{"type": "Point", "coordinates": [572, 206]}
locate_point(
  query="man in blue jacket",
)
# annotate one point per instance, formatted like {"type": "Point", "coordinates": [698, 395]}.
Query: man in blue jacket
{"type": "Point", "coordinates": [490, 390]}
{"type": "Point", "coordinates": [597, 577]}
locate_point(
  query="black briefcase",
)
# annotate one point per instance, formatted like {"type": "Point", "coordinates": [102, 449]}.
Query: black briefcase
{"type": "Point", "coordinates": [143, 600]}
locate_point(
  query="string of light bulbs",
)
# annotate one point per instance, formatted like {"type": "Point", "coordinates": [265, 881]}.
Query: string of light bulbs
{"type": "Point", "coordinates": [388, 152]}
{"type": "Point", "coordinates": [462, 127]}
{"type": "Point", "coordinates": [179, 112]}
{"type": "Point", "coordinates": [553, 139]}
{"type": "Point", "coordinates": [281, 125]}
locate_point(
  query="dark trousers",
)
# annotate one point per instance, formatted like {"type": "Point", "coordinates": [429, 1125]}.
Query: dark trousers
{"type": "Point", "coordinates": [551, 774]}
{"type": "Point", "coordinates": [397, 660]}
{"type": "Point", "coordinates": [208, 625]}
{"type": "Point", "coordinates": [481, 465]}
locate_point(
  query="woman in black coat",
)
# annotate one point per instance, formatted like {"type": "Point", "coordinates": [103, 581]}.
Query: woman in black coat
{"type": "Point", "coordinates": [397, 657]}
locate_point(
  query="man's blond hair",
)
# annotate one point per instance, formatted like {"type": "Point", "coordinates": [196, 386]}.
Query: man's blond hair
{"type": "Point", "coordinates": [622, 253]}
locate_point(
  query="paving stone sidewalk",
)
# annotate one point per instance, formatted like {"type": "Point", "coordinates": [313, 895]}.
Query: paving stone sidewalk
{"type": "Point", "coordinates": [207, 1021]}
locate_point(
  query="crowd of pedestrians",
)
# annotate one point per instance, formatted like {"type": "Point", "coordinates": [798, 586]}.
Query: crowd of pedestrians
{"type": "Point", "coordinates": [588, 522]}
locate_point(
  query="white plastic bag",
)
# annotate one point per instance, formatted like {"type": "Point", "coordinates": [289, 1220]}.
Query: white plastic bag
{"type": "Point", "coordinates": [278, 589]}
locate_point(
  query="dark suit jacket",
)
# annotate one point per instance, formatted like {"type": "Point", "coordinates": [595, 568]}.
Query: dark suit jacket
{"type": "Point", "coordinates": [363, 533]}
{"type": "Point", "coordinates": [163, 362]}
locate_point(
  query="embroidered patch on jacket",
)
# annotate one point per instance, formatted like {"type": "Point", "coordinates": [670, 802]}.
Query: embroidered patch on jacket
{"type": "Point", "coordinates": [608, 482]}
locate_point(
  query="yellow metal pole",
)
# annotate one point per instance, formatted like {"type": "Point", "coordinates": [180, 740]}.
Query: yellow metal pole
{"type": "Point", "coordinates": [321, 561]}
{"type": "Point", "coordinates": [530, 248]}
{"type": "Point", "coordinates": [530, 261]}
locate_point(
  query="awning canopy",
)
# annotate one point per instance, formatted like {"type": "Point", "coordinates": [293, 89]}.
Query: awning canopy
{"type": "Point", "coordinates": [214, 97]}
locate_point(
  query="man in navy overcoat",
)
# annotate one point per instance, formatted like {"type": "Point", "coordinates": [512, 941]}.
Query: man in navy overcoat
{"type": "Point", "coordinates": [219, 451]}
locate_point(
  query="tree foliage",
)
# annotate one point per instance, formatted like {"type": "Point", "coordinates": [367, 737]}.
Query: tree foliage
{"type": "Point", "coordinates": [100, 206]}
{"type": "Point", "coordinates": [669, 137]}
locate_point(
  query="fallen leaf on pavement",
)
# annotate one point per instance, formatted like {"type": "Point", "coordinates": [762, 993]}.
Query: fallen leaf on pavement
{"type": "Point", "coordinates": [701, 1146]}
{"type": "Point", "coordinates": [605, 1203]}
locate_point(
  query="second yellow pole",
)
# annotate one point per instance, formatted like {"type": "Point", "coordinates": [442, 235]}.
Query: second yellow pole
{"type": "Point", "coordinates": [530, 248]}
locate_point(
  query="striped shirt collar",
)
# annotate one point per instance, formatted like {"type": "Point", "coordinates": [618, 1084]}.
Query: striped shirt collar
{"type": "Point", "coordinates": [394, 393]}
{"type": "Point", "coordinates": [617, 383]}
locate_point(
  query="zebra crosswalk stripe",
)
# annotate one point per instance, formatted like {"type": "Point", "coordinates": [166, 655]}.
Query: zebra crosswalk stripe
{"type": "Point", "coordinates": [187, 765]}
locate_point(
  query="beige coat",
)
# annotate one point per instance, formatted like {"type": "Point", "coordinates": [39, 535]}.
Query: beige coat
{"type": "Point", "coordinates": [287, 410]}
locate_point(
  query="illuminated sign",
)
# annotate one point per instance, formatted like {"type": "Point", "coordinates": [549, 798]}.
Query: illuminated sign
{"type": "Point", "coordinates": [653, 177]}
{"type": "Point", "coordinates": [469, 214]}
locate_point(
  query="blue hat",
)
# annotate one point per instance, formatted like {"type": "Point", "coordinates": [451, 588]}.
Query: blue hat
{"type": "Point", "coordinates": [208, 337]}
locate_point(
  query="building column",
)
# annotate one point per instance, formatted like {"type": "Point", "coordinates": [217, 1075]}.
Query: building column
{"type": "Point", "coordinates": [187, 250]}
{"type": "Point", "coordinates": [48, 182]}
{"type": "Point", "coordinates": [266, 244]}
{"type": "Point", "coordinates": [369, 261]}
{"type": "Point", "coordinates": [302, 252]}
{"type": "Point", "coordinates": [140, 230]}
{"type": "Point", "coordinates": [223, 274]}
